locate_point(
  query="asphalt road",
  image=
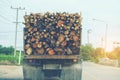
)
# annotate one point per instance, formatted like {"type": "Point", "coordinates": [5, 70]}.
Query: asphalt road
{"type": "Point", "coordinates": [11, 72]}
{"type": "Point", "coordinates": [91, 71]}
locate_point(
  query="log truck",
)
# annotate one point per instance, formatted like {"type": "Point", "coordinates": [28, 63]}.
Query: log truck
{"type": "Point", "coordinates": [52, 43]}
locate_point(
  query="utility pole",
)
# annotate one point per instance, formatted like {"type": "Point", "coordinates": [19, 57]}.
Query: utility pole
{"type": "Point", "coordinates": [17, 11]}
{"type": "Point", "coordinates": [102, 42]}
{"type": "Point", "coordinates": [106, 24]}
{"type": "Point", "coordinates": [88, 31]}
{"type": "Point", "coordinates": [105, 30]}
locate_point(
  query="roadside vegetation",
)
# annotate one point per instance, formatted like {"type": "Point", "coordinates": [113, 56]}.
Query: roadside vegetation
{"type": "Point", "coordinates": [7, 56]}
{"type": "Point", "coordinates": [92, 54]}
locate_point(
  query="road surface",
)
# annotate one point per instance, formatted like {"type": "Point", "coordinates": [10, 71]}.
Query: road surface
{"type": "Point", "coordinates": [11, 72]}
{"type": "Point", "coordinates": [91, 71]}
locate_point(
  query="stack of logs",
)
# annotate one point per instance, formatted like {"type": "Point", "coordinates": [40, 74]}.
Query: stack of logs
{"type": "Point", "coordinates": [52, 34]}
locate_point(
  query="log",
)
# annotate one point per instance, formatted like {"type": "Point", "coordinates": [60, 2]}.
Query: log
{"type": "Point", "coordinates": [60, 23]}
{"type": "Point", "coordinates": [39, 45]}
{"type": "Point", "coordinates": [51, 52]}
{"type": "Point", "coordinates": [63, 44]}
{"type": "Point", "coordinates": [61, 38]}
{"type": "Point", "coordinates": [75, 38]}
{"type": "Point", "coordinates": [40, 51]}
{"type": "Point", "coordinates": [34, 45]}
{"type": "Point", "coordinates": [60, 51]}
{"type": "Point", "coordinates": [29, 51]}
{"type": "Point", "coordinates": [27, 46]}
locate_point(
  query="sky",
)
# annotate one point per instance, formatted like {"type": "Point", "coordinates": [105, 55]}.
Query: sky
{"type": "Point", "coordinates": [104, 11]}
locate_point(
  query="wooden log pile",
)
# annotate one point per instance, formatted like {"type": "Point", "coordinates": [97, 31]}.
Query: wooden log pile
{"type": "Point", "coordinates": [52, 34]}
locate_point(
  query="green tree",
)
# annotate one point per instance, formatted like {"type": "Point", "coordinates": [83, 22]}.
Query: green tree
{"type": "Point", "coordinates": [87, 52]}
{"type": "Point", "coordinates": [99, 52]}
{"type": "Point", "coordinates": [6, 50]}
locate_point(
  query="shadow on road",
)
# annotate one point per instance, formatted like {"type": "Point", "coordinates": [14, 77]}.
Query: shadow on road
{"type": "Point", "coordinates": [10, 79]}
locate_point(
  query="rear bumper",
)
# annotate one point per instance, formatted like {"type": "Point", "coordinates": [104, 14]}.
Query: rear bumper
{"type": "Point", "coordinates": [52, 57]}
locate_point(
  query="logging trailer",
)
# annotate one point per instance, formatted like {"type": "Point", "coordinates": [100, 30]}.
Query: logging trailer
{"type": "Point", "coordinates": [52, 46]}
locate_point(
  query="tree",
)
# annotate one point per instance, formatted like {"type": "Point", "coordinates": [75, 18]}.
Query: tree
{"type": "Point", "coordinates": [115, 54]}
{"type": "Point", "coordinates": [6, 50]}
{"type": "Point", "coordinates": [87, 52]}
{"type": "Point", "coordinates": [99, 52]}
{"type": "Point", "coordinates": [117, 51]}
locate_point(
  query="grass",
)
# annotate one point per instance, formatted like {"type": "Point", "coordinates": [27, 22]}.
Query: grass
{"type": "Point", "coordinates": [10, 59]}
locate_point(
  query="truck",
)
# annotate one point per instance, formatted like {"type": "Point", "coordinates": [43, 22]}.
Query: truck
{"type": "Point", "coordinates": [52, 43]}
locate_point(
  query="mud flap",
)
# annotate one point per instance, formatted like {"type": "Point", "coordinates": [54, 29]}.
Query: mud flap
{"type": "Point", "coordinates": [32, 72]}
{"type": "Point", "coordinates": [71, 72]}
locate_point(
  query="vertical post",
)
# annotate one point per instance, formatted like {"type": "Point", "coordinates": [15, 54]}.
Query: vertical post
{"type": "Point", "coordinates": [106, 36]}
{"type": "Point", "coordinates": [16, 33]}
{"type": "Point", "coordinates": [102, 42]}
{"type": "Point", "coordinates": [88, 31]}
{"type": "Point", "coordinates": [17, 9]}
{"type": "Point", "coordinates": [105, 31]}
{"type": "Point", "coordinates": [19, 58]}
{"type": "Point", "coordinates": [106, 39]}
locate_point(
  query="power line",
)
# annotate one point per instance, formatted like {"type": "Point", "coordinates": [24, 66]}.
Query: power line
{"type": "Point", "coordinates": [6, 13]}
{"type": "Point", "coordinates": [5, 6]}
{"type": "Point", "coordinates": [6, 2]}
{"type": "Point", "coordinates": [5, 18]}
{"type": "Point", "coordinates": [10, 31]}
{"type": "Point", "coordinates": [17, 11]}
